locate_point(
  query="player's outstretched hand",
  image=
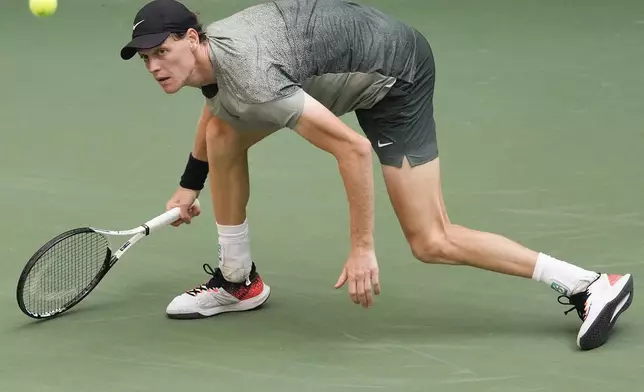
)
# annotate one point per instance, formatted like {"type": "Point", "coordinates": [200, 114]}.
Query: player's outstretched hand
{"type": "Point", "coordinates": [184, 198]}
{"type": "Point", "coordinates": [361, 274]}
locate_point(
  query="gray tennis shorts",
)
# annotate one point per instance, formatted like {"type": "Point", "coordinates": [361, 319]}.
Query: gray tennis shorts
{"type": "Point", "coordinates": [402, 123]}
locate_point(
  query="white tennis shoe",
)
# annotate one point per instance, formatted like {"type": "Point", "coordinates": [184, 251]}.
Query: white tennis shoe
{"type": "Point", "coordinates": [219, 296]}
{"type": "Point", "coordinates": [599, 307]}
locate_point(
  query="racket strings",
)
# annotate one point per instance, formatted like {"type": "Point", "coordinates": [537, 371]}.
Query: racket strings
{"type": "Point", "coordinates": [64, 271]}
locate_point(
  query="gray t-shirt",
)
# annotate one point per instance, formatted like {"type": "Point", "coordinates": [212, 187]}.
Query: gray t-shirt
{"type": "Point", "coordinates": [345, 55]}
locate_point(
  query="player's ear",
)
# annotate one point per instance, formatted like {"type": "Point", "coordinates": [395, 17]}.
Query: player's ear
{"type": "Point", "coordinates": [193, 38]}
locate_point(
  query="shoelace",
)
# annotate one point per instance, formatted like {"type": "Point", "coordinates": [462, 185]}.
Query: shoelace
{"type": "Point", "coordinates": [215, 281]}
{"type": "Point", "coordinates": [578, 302]}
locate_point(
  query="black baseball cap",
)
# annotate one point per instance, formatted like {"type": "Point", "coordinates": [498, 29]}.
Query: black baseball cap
{"type": "Point", "coordinates": [155, 22]}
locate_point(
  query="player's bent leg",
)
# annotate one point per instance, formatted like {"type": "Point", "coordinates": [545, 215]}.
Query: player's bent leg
{"type": "Point", "coordinates": [235, 285]}
{"type": "Point", "coordinates": [416, 196]}
{"type": "Point", "coordinates": [229, 174]}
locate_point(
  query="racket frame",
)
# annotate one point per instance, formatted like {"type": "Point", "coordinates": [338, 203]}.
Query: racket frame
{"type": "Point", "coordinates": [111, 257]}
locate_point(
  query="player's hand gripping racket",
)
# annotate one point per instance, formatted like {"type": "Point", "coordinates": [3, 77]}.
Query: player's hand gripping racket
{"type": "Point", "coordinates": [68, 267]}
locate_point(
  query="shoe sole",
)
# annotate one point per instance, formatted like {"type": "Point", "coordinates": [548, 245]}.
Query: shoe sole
{"type": "Point", "coordinates": [249, 304]}
{"type": "Point", "coordinates": [597, 334]}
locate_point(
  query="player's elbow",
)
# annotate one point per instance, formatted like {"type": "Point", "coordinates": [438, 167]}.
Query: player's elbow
{"type": "Point", "coordinates": [358, 149]}
{"type": "Point", "coordinates": [364, 151]}
{"type": "Point", "coordinates": [361, 147]}
{"type": "Point", "coordinates": [355, 153]}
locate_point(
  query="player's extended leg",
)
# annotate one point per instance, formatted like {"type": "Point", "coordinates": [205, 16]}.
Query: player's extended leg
{"type": "Point", "coordinates": [433, 238]}
{"type": "Point", "coordinates": [401, 128]}
{"type": "Point", "coordinates": [416, 196]}
{"type": "Point", "coordinates": [235, 285]}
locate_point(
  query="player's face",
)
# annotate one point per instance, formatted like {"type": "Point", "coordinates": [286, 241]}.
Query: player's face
{"type": "Point", "coordinates": [170, 63]}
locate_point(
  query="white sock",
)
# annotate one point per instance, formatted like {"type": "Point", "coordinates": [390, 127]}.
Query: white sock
{"type": "Point", "coordinates": [561, 276]}
{"type": "Point", "coordinates": [234, 252]}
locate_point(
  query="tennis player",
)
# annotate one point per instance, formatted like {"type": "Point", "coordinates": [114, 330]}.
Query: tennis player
{"type": "Point", "coordinates": [300, 64]}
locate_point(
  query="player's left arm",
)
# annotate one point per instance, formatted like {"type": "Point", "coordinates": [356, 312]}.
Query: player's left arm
{"type": "Point", "coordinates": [352, 151]}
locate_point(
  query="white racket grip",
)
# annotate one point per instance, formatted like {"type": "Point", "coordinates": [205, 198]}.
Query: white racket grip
{"type": "Point", "coordinates": [166, 218]}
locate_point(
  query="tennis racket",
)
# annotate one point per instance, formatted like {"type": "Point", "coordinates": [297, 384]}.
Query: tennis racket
{"type": "Point", "coordinates": [69, 266]}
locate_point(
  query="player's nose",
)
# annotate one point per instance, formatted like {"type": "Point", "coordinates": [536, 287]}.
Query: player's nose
{"type": "Point", "coordinates": [153, 67]}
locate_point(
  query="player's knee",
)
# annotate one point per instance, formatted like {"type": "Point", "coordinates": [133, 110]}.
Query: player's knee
{"type": "Point", "coordinates": [221, 139]}
{"type": "Point", "coordinates": [426, 247]}
{"type": "Point", "coordinates": [433, 246]}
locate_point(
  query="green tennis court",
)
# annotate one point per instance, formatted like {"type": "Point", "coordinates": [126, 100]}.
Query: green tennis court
{"type": "Point", "coordinates": [539, 107]}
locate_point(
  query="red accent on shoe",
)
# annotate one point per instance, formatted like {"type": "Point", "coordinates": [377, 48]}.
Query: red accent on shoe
{"type": "Point", "coordinates": [613, 279]}
{"type": "Point", "coordinates": [243, 292]}
{"type": "Point", "coordinates": [255, 288]}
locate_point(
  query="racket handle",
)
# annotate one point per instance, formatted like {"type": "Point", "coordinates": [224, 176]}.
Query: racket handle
{"type": "Point", "coordinates": [166, 218]}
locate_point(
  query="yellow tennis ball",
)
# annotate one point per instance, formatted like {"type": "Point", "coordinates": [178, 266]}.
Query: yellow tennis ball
{"type": "Point", "coordinates": [43, 7]}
